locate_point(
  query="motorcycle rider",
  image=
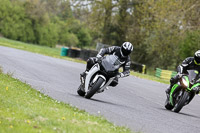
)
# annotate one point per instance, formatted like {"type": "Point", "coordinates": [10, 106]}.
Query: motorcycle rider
{"type": "Point", "coordinates": [122, 53]}
{"type": "Point", "coordinates": [190, 63]}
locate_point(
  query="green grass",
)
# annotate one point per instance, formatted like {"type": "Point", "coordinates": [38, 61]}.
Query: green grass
{"type": "Point", "coordinates": [23, 109]}
{"type": "Point", "coordinates": [149, 77]}
{"type": "Point", "coordinates": [53, 52]}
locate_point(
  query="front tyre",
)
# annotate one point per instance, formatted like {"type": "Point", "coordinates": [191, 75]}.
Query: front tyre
{"type": "Point", "coordinates": [179, 105]}
{"type": "Point", "coordinates": [80, 92]}
{"type": "Point", "coordinates": [94, 88]}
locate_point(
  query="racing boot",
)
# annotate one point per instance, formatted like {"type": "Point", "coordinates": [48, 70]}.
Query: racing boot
{"type": "Point", "coordinates": [167, 91]}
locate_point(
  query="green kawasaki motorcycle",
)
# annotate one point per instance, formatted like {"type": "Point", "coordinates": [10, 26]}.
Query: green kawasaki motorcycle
{"type": "Point", "coordinates": [184, 91]}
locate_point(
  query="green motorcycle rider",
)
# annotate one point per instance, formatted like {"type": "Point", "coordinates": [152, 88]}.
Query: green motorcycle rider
{"type": "Point", "coordinates": [190, 63]}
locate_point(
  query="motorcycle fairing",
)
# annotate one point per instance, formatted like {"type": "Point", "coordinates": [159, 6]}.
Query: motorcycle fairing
{"type": "Point", "coordinates": [195, 85]}
{"type": "Point", "coordinates": [171, 94]}
{"type": "Point", "coordinates": [91, 72]}
{"type": "Point", "coordinates": [111, 63]}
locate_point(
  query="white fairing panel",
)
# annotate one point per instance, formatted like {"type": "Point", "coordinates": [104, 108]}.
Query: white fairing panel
{"type": "Point", "coordinates": [92, 71]}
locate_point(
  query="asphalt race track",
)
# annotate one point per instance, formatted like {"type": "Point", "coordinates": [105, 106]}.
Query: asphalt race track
{"type": "Point", "coordinates": [135, 103]}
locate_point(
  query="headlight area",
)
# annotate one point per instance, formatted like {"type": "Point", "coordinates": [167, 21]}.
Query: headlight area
{"type": "Point", "coordinates": [184, 83]}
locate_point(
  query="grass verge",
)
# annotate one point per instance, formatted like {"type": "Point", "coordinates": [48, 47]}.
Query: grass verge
{"type": "Point", "coordinates": [23, 109]}
{"type": "Point", "coordinates": [53, 52]}
{"type": "Point", "coordinates": [149, 77]}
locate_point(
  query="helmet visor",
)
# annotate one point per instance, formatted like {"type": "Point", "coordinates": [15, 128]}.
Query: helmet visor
{"type": "Point", "coordinates": [125, 52]}
{"type": "Point", "coordinates": [197, 60]}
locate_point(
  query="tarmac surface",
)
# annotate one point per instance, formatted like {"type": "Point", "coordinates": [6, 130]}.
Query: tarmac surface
{"type": "Point", "coordinates": [135, 103]}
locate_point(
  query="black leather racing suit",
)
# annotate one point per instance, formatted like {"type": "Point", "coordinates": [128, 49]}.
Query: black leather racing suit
{"type": "Point", "coordinates": [123, 60]}
{"type": "Point", "coordinates": [187, 64]}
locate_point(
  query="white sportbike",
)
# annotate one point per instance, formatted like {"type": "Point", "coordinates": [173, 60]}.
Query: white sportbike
{"type": "Point", "coordinates": [100, 76]}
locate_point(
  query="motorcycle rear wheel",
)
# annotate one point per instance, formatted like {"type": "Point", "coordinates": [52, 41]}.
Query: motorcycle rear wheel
{"type": "Point", "coordinates": [95, 87]}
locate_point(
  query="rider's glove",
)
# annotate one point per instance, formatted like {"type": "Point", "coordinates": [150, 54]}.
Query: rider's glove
{"type": "Point", "coordinates": [98, 58]}
{"type": "Point", "coordinates": [196, 89]}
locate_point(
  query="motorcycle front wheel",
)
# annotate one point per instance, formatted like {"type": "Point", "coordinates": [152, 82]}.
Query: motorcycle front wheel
{"type": "Point", "coordinates": [181, 102]}
{"type": "Point", "coordinates": [94, 88]}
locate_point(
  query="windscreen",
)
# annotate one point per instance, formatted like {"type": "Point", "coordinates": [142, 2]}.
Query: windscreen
{"type": "Point", "coordinates": [193, 75]}
{"type": "Point", "coordinates": [111, 63]}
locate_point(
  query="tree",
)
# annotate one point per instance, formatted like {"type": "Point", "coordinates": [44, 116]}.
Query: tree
{"type": "Point", "coordinates": [47, 35]}
{"type": "Point", "coordinates": [14, 23]}
{"type": "Point", "coordinates": [84, 37]}
{"type": "Point", "coordinates": [122, 22]}
{"type": "Point", "coordinates": [66, 37]}
{"type": "Point", "coordinates": [161, 29]}
{"type": "Point", "coordinates": [190, 44]}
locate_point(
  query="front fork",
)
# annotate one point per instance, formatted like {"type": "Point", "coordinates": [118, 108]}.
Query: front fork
{"type": "Point", "coordinates": [174, 89]}
{"type": "Point", "coordinates": [82, 80]}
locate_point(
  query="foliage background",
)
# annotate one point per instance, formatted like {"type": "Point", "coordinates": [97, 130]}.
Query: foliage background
{"type": "Point", "coordinates": [163, 32]}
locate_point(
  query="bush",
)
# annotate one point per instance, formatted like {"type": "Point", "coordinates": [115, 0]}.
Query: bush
{"type": "Point", "coordinates": [47, 35]}
{"type": "Point", "coordinates": [189, 44]}
{"type": "Point", "coordinates": [84, 38]}
{"type": "Point", "coordinates": [65, 37]}
{"type": "Point", "coordinates": [30, 21]}
{"type": "Point", "coordinates": [14, 23]}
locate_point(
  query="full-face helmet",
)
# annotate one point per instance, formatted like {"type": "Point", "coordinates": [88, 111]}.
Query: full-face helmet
{"type": "Point", "coordinates": [197, 57]}
{"type": "Point", "coordinates": [126, 48]}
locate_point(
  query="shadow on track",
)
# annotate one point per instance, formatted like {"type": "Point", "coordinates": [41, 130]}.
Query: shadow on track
{"type": "Point", "coordinates": [96, 100]}
{"type": "Point", "coordinates": [105, 102]}
{"type": "Point", "coordinates": [180, 113]}
{"type": "Point", "coordinates": [190, 115]}
{"type": "Point", "coordinates": [101, 101]}
{"type": "Point", "coordinates": [115, 104]}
